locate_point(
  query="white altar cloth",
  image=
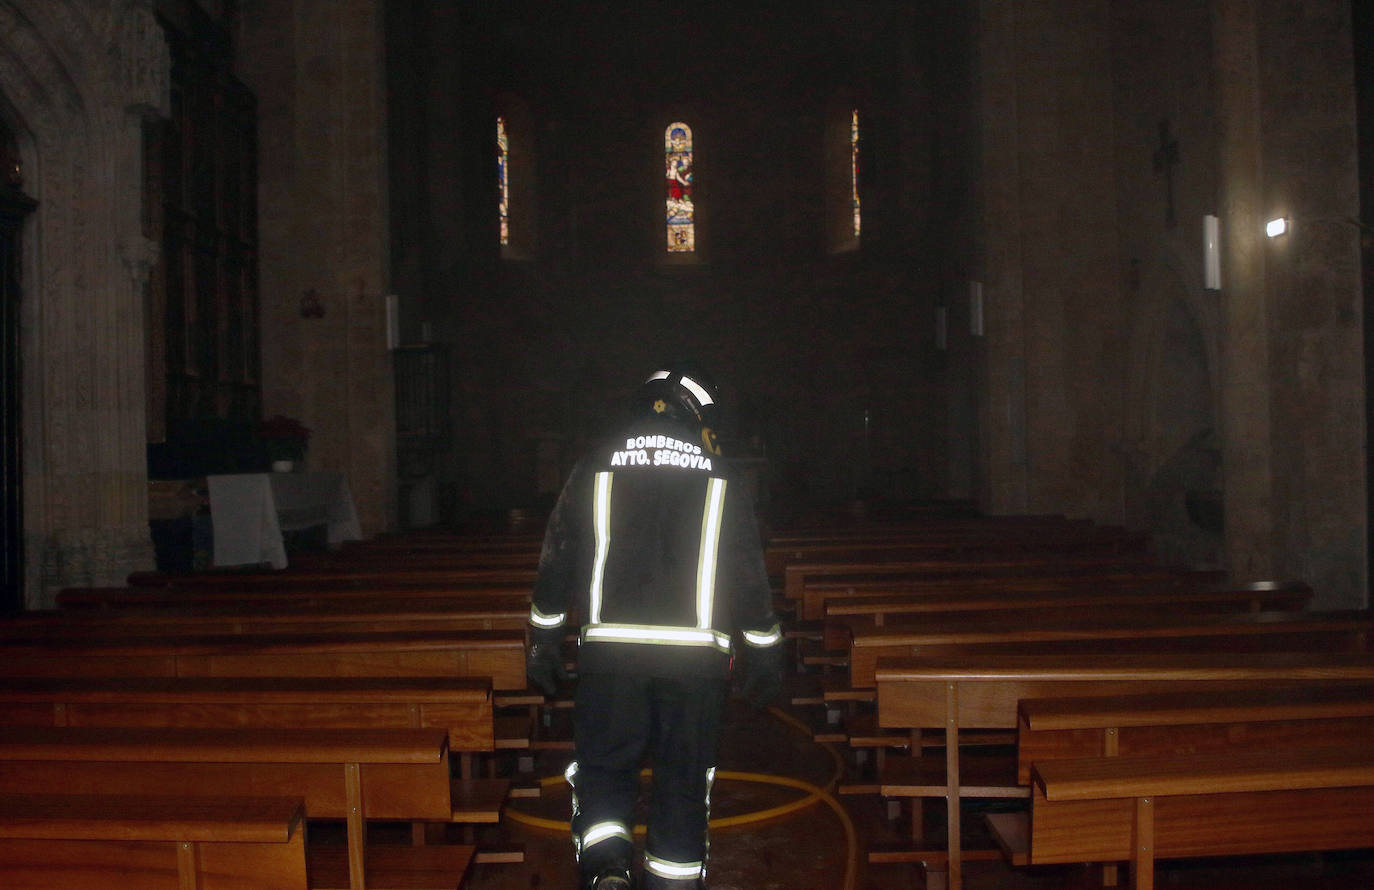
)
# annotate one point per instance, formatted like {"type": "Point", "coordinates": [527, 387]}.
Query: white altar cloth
{"type": "Point", "coordinates": [251, 510]}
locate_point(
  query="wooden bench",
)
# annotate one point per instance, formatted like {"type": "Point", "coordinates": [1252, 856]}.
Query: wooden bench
{"type": "Point", "coordinates": [822, 544]}
{"type": "Point", "coordinates": [824, 592]}
{"type": "Point", "coordinates": [361, 576]}
{"type": "Point", "coordinates": [797, 575]}
{"type": "Point", "coordinates": [284, 614]}
{"type": "Point", "coordinates": [496, 654]}
{"type": "Point", "coordinates": [461, 706]}
{"type": "Point", "coordinates": [364, 558]}
{"type": "Point", "coordinates": [1141, 809]}
{"type": "Point", "coordinates": [1106, 630]}
{"type": "Point", "coordinates": [1191, 722]}
{"type": "Point", "coordinates": [302, 590]}
{"type": "Point", "coordinates": [846, 616]}
{"type": "Point", "coordinates": [352, 775]}
{"type": "Point", "coordinates": [1090, 631]}
{"type": "Point", "coordinates": [115, 842]}
{"type": "Point", "coordinates": [958, 692]}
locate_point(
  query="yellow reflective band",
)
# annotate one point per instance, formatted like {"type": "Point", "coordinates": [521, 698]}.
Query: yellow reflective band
{"type": "Point", "coordinates": [710, 544]}
{"type": "Point", "coordinates": [604, 831]}
{"type": "Point", "coordinates": [673, 871]}
{"type": "Point", "coordinates": [657, 635]}
{"type": "Point", "coordinates": [601, 522]}
{"type": "Point", "coordinates": [539, 619]}
{"type": "Point", "coordinates": [767, 638]}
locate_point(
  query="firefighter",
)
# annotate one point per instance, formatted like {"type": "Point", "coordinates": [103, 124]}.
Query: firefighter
{"type": "Point", "coordinates": [653, 550]}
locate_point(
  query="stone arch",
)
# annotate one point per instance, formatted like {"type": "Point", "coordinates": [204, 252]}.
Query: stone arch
{"type": "Point", "coordinates": [77, 76]}
{"type": "Point", "coordinates": [1173, 439]}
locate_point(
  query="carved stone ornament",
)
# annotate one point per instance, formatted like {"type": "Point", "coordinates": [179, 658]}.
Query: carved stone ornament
{"type": "Point", "coordinates": [141, 59]}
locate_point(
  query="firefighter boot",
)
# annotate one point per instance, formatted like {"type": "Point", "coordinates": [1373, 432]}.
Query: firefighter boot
{"type": "Point", "coordinates": [610, 879]}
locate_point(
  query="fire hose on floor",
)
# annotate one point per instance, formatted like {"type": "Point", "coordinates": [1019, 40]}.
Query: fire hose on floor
{"type": "Point", "coordinates": [813, 794]}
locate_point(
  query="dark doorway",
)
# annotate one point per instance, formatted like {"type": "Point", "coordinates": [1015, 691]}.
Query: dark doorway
{"type": "Point", "coordinates": [14, 207]}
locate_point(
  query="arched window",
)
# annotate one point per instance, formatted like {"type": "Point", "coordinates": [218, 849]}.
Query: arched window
{"type": "Point", "coordinates": [854, 169]}
{"type": "Point", "coordinates": [517, 177]}
{"type": "Point", "coordinates": [502, 178]}
{"type": "Point", "coordinates": [681, 215]}
{"type": "Point", "coordinates": [840, 180]}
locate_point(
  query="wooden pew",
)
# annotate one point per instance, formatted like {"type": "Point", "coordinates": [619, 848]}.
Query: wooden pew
{"type": "Point", "coordinates": [823, 543]}
{"type": "Point", "coordinates": [821, 596]}
{"type": "Point", "coordinates": [845, 616]}
{"type": "Point", "coordinates": [1145, 808]}
{"type": "Point", "coordinates": [115, 842]}
{"type": "Point", "coordinates": [1184, 723]}
{"type": "Point", "coordinates": [1080, 629]}
{"type": "Point", "coordinates": [353, 775]}
{"type": "Point", "coordinates": [361, 558]}
{"type": "Point", "coordinates": [936, 545]}
{"type": "Point", "coordinates": [360, 576]}
{"type": "Point", "coordinates": [797, 575]}
{"type": "Point", "coordinates": [497, 654]}
{"type": "Point", "coordinates": [1191, 722]}
{"type": "Point", "coordinates": [302, 589]}
{"type": "Point", "coordinates": [461, 706]}
{"type": "Point", "coordinates": [967, 691]}
{"type": "Point", "coordinates": [1105, 630]}
{"type": "Point", "coordinates": [284, 614]}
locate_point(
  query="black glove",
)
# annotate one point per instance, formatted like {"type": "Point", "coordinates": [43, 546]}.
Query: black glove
{"type": "Point", "coordinates": [544, 665]}
{"type": "Point", "coordinates": [761, 670]}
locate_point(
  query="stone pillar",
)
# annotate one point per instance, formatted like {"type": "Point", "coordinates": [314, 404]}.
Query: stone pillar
{"type": "Point", "coordinates": [1292, 374]}
{"type": "Point", "coordinates": [1052, 294]}
{"type": "Point", "coordinates": [1001, 372]}
{"type": "Point", "coordinates": [317, 69]}
{"type": "Point", "coordinates": [78, 76]}
{"type": "Point", "coordinates": [1245, 411]}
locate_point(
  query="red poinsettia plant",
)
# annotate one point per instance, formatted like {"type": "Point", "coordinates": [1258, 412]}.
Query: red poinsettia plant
{"type": "Point", "coordinates": [284, 437]}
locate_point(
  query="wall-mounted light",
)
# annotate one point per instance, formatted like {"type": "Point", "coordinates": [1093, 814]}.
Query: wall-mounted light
{"type": "Point", "coordinates": [941, 328]}
{"type": "Point", "coordinates": [1211, 252]}
{"type": "Point", "coordinates": [1276, 227]}
{"type": "Point", "coordinates": [975, 308]}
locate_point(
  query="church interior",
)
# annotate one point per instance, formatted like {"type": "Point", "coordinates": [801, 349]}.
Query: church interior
{"type": "Point", "coordinates": [1081, 278]}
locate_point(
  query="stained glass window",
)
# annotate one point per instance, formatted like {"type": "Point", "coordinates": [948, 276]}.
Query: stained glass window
{"type": "Point", "coordinates": [677, 143]}
{"type": "Point", "coordinates": [502, 174]}
{"type": "Point", "coordinates": [854, 168]}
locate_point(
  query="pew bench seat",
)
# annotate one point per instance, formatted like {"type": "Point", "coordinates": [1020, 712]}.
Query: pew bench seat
{"type": "Point", "coordinates": [153, 842]}
{"type": "Point", "coordinates": [1141, 809]}
{"type": "Point", "coordinates": [353, 775]}
{"type": "Point", "coordinates": [1192, 722]}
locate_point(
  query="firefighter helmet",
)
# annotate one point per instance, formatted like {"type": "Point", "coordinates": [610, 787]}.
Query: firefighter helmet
{"type": "Point", "coordinates": [681, 393]}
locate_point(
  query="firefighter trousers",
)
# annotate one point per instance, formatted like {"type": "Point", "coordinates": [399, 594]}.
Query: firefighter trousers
{"type": "Point", "coordinates": [619, 719]}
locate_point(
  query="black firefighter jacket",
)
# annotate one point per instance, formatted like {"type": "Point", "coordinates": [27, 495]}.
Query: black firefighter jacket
{"type": "Point", "coordinates": [654, 550]}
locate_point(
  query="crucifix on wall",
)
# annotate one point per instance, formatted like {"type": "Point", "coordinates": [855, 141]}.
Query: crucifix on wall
{"type": "Point", "coordinates": [1165, 159]}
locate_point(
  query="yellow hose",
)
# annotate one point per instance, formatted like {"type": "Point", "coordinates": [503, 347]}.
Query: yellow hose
{"type": "Point", "coordinates": [813, 794]}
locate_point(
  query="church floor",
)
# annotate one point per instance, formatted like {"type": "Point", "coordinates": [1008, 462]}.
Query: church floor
{"type": "Point", "coordinates": [806, 849]}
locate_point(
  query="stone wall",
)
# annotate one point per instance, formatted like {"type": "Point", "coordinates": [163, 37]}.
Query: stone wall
{"type": "Point", "coordinates": [1116, 385]}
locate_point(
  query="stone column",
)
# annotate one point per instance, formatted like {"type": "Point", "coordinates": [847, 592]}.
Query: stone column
{"type": "Point", "coordinates": [1244, 372]}
{"type": "Point", "coordinates": [318, 70]}
{"type": "Point", "coordinates": [1003, 484]}
{"type": "Point", "coordinates": [78, 76]}
{"type": "Point", "coordinates": [1052, 292]}
{"type": "Point", "coordinates": [1292, 374]}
